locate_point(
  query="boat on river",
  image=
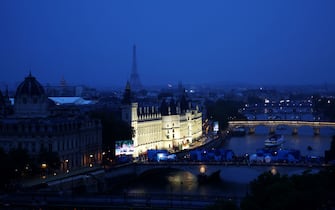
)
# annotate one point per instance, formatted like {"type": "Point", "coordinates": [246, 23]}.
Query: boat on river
{"type": "Point", "coordinates": [274, 140]}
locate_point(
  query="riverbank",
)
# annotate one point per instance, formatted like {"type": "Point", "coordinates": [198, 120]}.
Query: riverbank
{"type": "Point", "coordinates": [208, 142]}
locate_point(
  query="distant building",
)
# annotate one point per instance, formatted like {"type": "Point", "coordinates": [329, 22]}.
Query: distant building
{"type": "Point", "coordinates": [39, 124]}
{"type": "Point", "coordinates": [171, 125]}
{"type": "Point", "coordinates": [65, 90]}
{"type": "Point", "coordinates": [135, 81]}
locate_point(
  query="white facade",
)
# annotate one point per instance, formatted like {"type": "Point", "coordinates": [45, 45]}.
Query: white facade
{"type": "Point", "coordinates": [152, 130]}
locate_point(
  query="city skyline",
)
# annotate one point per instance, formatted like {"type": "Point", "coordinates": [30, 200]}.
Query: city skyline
{"type": "Point", "coordinates": [258, 43]}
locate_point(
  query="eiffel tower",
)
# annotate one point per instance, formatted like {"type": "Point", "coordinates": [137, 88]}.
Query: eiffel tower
{"type": "Point", "coordinates": [135, 82]}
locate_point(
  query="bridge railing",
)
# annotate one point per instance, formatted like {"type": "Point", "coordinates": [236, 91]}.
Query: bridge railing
{"type": "Point", "coordinates": [281, 122]}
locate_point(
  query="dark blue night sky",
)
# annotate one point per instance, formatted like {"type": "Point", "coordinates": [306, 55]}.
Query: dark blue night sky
{"type": "Point", "coordinates": [90, 42]}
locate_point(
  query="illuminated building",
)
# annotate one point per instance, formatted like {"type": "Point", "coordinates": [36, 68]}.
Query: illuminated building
{"type": "Point", "coordinates": [173, 125]}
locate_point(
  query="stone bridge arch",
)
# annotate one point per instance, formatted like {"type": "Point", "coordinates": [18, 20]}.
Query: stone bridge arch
{"type": "Point", "coordinates": [137, 169]}
{"type": "Point", "coordinates": [196, 168]}
{"type": "Point", "coordinates": [272, 124]}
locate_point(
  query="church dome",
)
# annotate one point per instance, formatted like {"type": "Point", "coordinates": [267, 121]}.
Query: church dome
{"type": "Point", "coordinates": [30, 87]}
{"type": "Point", "coordinates": [30, 99]}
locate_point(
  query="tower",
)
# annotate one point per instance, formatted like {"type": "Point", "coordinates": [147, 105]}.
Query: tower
{"type": "Point", "coordinates": [135, 82]}
{"type": "Point", "coordinates": [127, 96]}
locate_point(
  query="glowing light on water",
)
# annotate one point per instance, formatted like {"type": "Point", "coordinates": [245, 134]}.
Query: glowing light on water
{"type": "Point", "coordinates": [274, 171]}
{"type": "Point", "coordinates": [202, 169]}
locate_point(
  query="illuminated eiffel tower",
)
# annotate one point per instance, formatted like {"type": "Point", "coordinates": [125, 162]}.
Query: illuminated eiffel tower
{"type": "Point", "coordinates": [135, 82]}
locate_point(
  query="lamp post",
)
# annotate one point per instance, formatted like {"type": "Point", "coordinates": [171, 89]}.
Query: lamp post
{"type": "Point", "coordinates": [103, 160]}
{"type": "Point", "coordinates": [67, 166]}
{"type": "Point", "coordinates": [44, 170]}
{"type": "Point", "coordinates": [91, 160]}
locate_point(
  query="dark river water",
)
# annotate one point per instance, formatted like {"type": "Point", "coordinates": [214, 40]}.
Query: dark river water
{"type": "Point", "coordinates": [234, 179]}
{"type": "Point", "coordinates": [304, 139]}
{"type": "Point", "coordinates": [183, 182]}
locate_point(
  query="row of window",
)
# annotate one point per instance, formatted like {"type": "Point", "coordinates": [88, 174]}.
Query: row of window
{"type": "Point", "coordinates": [30, 146]}
{"type": "Point", "coordinates": [42, 128]}
{"type": "Point", "coordinates": [62, 144]}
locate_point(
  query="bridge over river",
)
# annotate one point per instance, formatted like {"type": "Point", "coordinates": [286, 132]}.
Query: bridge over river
{"type": "Point", "coordinates": [241, 171]}
{"type": "Point", "coordinates": [274, 124]}
{"type": "Point", "coordinates": [66, 192]}
{"type": "Point", "coordinates": [95, 180]}
{"type": "Point", "coordinates": [100, 180]}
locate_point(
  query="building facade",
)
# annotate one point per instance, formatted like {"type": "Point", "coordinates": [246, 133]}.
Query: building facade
{"type": "Point", "coordinates": [172, 126]}
{"type": "Point", "coordinates": [38, 124]}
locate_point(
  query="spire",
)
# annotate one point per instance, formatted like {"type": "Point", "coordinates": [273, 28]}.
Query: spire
{"type": "Point", "coordinates": [6, 97]}
{"type": "Point", "coordinates": [128, 86]}
{"type": "Point", "coordinates": [63, 82]}
{"type": "Point", "coordinates": [135, 82]}
{"type": "Point", "coordinates": [127, 96]}
{"type": "Point", "coordinates": [134, 65]}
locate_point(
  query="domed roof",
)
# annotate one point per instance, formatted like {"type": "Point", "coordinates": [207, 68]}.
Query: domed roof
{"type": "Point", "coordinates": [30, 87]}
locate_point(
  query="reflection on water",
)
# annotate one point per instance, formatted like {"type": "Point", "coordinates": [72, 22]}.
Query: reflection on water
{"type": "Point", "coordinates": [234, 181]}
{"type": "Point", "coordinates": [167, 181]}
{"type": "Point", "coordinates": [184, 183]}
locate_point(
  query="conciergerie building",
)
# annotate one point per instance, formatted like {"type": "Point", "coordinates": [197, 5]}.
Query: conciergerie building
{"type": "Point", "coordinates": [36, 123]}
{"type": "Point", "coordinates": [171, 125]}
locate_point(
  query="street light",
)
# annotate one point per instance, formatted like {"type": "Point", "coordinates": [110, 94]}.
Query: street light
{"type": "Point", "coordinates": [274, 171]}
{"type": "Point", "coordinates": [202, 169]}
{"type": "Point", "coordinates": [44, 168]}
{"type": "Point", "coordinates": [91, 160]}
{"type": "Point", "coordinates": [67, 166]}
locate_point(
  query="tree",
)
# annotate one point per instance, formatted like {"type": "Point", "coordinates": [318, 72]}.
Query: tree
{"type": "Point", "coordinates": [330, 154]}
{"type": "Point", "coordinates": [113, 128]}
{"type": "Point", "coordinates": [18, 160]}
{"type": "Point", "coordinates": [326, 106]}
{"type": "Point", "coordinates": [51, 159]}
{"type": "Point", "coordinates": [224, 111]}
{"type": "Point", "coordinates": [306, 191]}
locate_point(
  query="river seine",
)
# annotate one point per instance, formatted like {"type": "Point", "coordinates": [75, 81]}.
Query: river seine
{"type": "Point", "coordinates": [234, 179]}
{"type": "Point", "coordinates": [305, 141]}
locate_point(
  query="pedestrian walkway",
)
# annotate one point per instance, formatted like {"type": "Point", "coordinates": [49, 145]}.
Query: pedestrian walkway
{"type": "Point", "coordinates": [38, 181]}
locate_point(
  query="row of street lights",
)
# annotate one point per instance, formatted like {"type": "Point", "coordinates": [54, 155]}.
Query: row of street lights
{"type": "Point", "coordinates": [65, 166]}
